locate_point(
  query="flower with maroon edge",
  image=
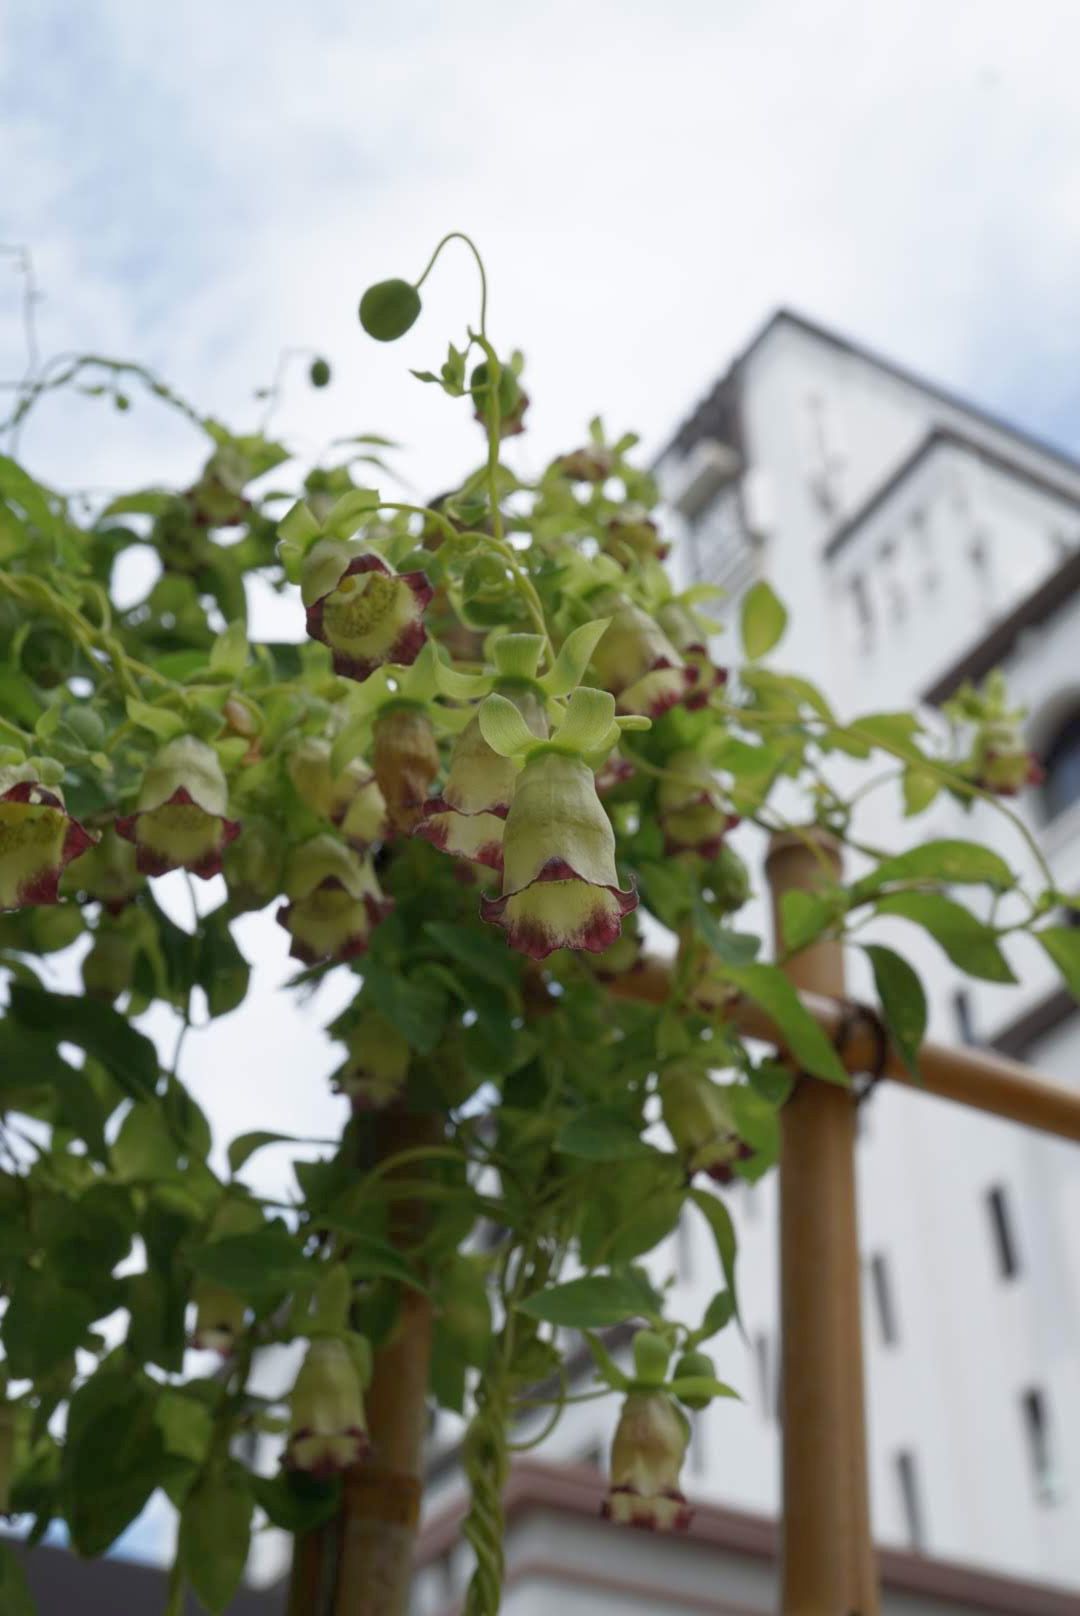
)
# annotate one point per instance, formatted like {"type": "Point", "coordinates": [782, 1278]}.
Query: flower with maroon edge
{"type": "Point", "coordinates": [592, 464]}
{"type": "Point", "coordinates": [335, 901]}
{"type": "Point", "coordinates": [646, 1457]}
{"type": "Point", "coordinates": [358, 606]}
{"type": "Point", "coordinates": [560, 885]}
{"type": "Point", "coordinates": [685, 630]}
{"type": "Point", "coordinates": [698, 1117]}
{"type": "Point", "coordinates": [633, 528]}
{"type": "Point", "coordinates": [373, 1075]}
{"type": "Point", "coordinates": [38, 837]}
{"type": "Point", "coordinates": [468, 819]}
{"type": "Point", "coordinates": [106, 873]}
{"type": "Point", "coordinates": [1001, 763]}
{"type": "Point", "coordinates": [180, 820]}
{"type": "Point", "coordinates": [638, 664]}
{"type": "Point", "coordinates": [327, 1427]}
{"type": "Point", "coordinates": [351, 800]}
{"type": "Point", "coordinates": [220, 1319]}
{"type": "Point", "coordinates": [690, 812]}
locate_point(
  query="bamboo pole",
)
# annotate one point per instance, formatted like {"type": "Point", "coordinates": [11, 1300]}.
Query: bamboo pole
{"type": "Point", "coordinates": [971, 1077]}
{"type": "Point", "coordinates": [827, 1556]}
{"type": "Point", "coordinates": [360, 1563]}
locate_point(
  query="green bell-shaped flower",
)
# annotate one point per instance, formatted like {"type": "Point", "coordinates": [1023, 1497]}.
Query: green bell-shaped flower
{"type": "Point", "coordinates": [180, 819]}
{"type": "Point", "coordinates": [38, 837]}
{"type": "Point", "coordinates": [646, 1458]}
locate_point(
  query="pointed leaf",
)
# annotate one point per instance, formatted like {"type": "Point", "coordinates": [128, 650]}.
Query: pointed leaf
{"type": "Point", "coordinates": [1062, 943]}
{"type": "Point", "coordinates": [762, 620]}
{"type": "Point", "coordinates": [768, 986]}
{"type": "Point", "coordinates": [903, 1001]}
{"type": "Point", "coordinates": [964, 939]}
{"type": "Point", "coordinates": [574, 656]}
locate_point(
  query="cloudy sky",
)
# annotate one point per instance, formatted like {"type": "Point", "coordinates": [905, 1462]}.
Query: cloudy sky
{"type": "Point", "coordinates": [204, 184]}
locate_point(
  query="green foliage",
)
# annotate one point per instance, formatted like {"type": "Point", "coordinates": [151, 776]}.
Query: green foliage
{"type": "Point", "coordinates": [501, 1158]}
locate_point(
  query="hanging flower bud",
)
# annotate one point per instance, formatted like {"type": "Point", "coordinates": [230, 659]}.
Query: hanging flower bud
{"type": "Point", "coordinates": [38, 837]}
{"type": "Point", "coordinates": [1001, 763]}
{"type": "Point", "coordinates": [253, 866]}
{"type": "Point", "coordinates": [698, 1117]}
{"type": "Point", "coordinates": [593, 464]}
{"type": "Point", "coordinates": [691, 814]}
{"type": "Point", "coordinates": [468, 818]}
{"type": "Point", "coordinates": [351, 800]}
{"type": "Point", "coordinates": [374, 1074]}
{"type": "Point", "coordinates": [646, 1457]}
{"type": "Point", "coordinates": [7, 1454]}
{"type": "Point", "coordinates": [406, 761]}
{"type": "Point", "coordinates": [327, 1428]}
{"type": "Point", "coordinates": [220, 1319]}
{"type": "Point", "coordinates": [336, 901]}
{"type": "Point", "coordinates": [685, 632]}
{"type": "Point", "coordinates": [106, 872]}
{"type": "Point", "coordinates": [109, 968]}
{"type": "Point", "coordinates": [180, 819]}
{"type": "Point", "coordinates": [560, 885]}
{"type": "Point", "coordinates": [364, 611]}
{"type": "Point", "coordinates": [726, 882]}
{"type": "Point", "coordinates": [633, 529]}
{"type": "Point", "coordinates": [637, 662]}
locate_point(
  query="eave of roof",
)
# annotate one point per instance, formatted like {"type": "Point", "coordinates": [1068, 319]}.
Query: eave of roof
{"type": "Point", "coordinates": [859, 350]}
{"type": "Point", "coordinates": [989, 652]}
{"type": "Point", "coordinates": [947, 437]}
{"type": "Point", "coordinates": [578, 1490]}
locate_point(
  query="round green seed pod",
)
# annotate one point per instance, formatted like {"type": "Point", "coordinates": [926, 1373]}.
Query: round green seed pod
{"type": "Point", "coordinates": [728, 879]}
{"type": "Point", "coordinates": [695, 1366]}
{"type": "Point", "coordinates": [509, 390]}
{"type": "Point", "coordinates": [319, 374]}
{"type": "Point", "coordinates": [388, 309]}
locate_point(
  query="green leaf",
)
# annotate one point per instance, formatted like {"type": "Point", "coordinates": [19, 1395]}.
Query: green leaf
{"type": "Point", "coordinates": [417, 1009]}
{"type": "Point", "coordinates": [29, 1058]}
{"type": "Point", "coordinates": [948, 861]}
{"type": "Point", "coordinates": [805, 915]}
{"type": "Point", "coordinates": [15, 1596]}
{"type": "Point", "coordinates": [186, 1425]}
{"type": "Point", "coordinates": [128, 1056]}
{"type": "Point", "coordinates": [113, 1457]}
{"type": "Point", "coordinates": [144, 1149]}
{"type": "Point", "coordinates": [574, 656]}
{"type": "Point", "coordinates": [718, 1218]}
{"type": "Point", "coordinates": [256, 1265]}
{"type": "Point", "coordinates": [730, 947]}
{"type": "Point", "coordinates": [45, 1322]}
{"type": "Point", "coordinates": [762, 620]}
{"type": "Point", "coordinates": [919, 791]}
{"type": "Point", "coordinates": [890, 732]}
{"type": "Point", "coordinates": [296, 1501]}
{"type": "Point", "coordinates": [965, 939]}
{"type": "Point", "coordinates": [602, 1133]}
{"type": "Point", "coordinates": [368, 1257]}
{"type": "Point", "coordinates": [903, 1001]}
{"type": "Point", "coordinates": [768, 986]}
{"type": "Point", "coordinates": [1062, 943]}
{"type": "Point", "coordinates": [229, 652]}
{"type": "Point", "coordinates": [485, 955]}
{"type": "Point", "coordinates": [160, 721]}
{"type": "Point", "coordinates": [246, 1144]}
{"type": "Point", "coordinates": [587, 1303]}
{"type": "Point", "coordinates": [608, 1369]}
{"type": "Point", "coordinates": [718, 1315]}
{"type": "Point", "coordinates": [696, 1386]}
{"type": "Point", "coordinates": [215, 1534]}
{"type": "Point", "coordinates": [222, 971]}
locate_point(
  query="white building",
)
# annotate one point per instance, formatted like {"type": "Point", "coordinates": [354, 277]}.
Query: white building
{"type": "Point", "coordinates": [918, 542]}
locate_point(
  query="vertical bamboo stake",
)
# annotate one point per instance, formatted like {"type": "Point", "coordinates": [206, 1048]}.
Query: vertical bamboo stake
{"type": "Point", "coordinates": [827, 1552]}
{"type": "Point", "coordinates": [360, 1563]}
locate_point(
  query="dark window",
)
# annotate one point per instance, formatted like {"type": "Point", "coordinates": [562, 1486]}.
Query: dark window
{"type": "Point", "coordinates": [910, 1501]}
{"type": "Point", "coordinates": [1061, 787]}
{"type": "Point", "coordinates": [884, 1304]}
{"type": "Point", "coordinates": [1005, 1249]}
{"type": "Point", "coordinates": [965, 1025]}
{"type": "Point", "coordinates": [1039, 1446]}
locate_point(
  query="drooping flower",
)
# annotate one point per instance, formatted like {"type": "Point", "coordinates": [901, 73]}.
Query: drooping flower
{"type": "Point", "coordinates": [107, 872]}
{"type": "Point", "coordinates": [1000, 761]}
{"type": "Point", "coordinates": [633, 528]}
{"type": "Point", "coordinates": [180, 819]}
{"type": "Point", "coordinates": [38, 837]}
{"type": "Point", "coordinates": [684, 629]}
{"type": "Point", "coordinates": [352, 800]}
{"type": "Point", "coordinates": [374, 1073]}
{"type": "Point", "coordinates": [637, 662]}
{"type": "Point", "coordinates": [253, 866]}
{"type": "Point", "coordinates": [468, 819]}
{"type": "Point", "coordinates": [405, 756]}
{"type": "Point", "coordinates": [327, 1426]}
{"type": "Point", "coordinates": [366, 613]}
{"type": "Point", "coordinates": [592, 464]}
{"type": "Point", "coordinates": [646, 1457]}
{"type": "Point", "coordinates": [335, 902]}
{"type": "Point", "coordinates": [220, 1318]}
{"type": "Point", "coordinates": [691, 813]}
{"type": "Point", "coordinates": [560, 885]}
{"type": "Point", "coordinates": [698, 1117]}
